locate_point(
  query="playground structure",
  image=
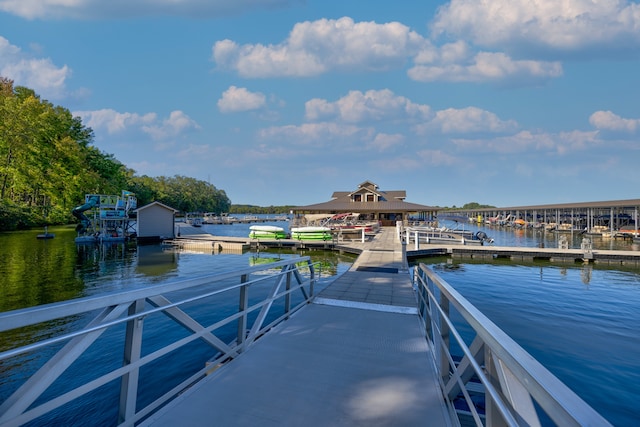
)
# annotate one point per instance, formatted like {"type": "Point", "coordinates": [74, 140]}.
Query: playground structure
{"type": "Point", "coordinates": [105, 218]}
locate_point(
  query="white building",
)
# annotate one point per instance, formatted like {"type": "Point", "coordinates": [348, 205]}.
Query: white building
{"type": "Point", "coordinates": [156, 222]}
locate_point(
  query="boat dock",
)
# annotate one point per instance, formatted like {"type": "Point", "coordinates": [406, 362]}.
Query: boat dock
{"type": "Point", "coordinates": [229, 220]}
{"type": "Point", "coordinates": [356, 356]}
{"type": "Point", "coordinates": [195, 238]}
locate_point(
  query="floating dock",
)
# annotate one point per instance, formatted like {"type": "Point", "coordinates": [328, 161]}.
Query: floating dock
{"type": "Point", "coordinates": [193, 237]}
{"type": "Point", "coordinates": [604, 257]}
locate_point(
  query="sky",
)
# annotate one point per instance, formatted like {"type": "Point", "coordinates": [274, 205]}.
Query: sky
{"type": "Point", "coordinates": [283, 102]}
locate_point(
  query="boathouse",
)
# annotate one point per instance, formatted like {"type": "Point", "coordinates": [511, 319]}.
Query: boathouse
{"type": "Point", "coordinates": [372, 203]}
{"type": "Point", "coordinates": [613, 218]}
{"type": "Point", "coordinates": [155, 222]}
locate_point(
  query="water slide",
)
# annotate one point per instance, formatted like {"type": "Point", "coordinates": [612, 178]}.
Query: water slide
{"type": "Point", "coordinates": [78, 212]}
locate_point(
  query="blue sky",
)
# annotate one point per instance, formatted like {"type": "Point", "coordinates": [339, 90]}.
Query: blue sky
{"type": "Point", "coordinates": [502, 102]}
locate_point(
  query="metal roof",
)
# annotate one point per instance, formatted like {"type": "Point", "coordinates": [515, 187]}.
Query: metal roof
{"type": "Point", "coordinates": [156, 204]}
{"type": "Point", "coordinates": [630, 203]}
{"type": "Point", "coordinates": [388, 202]}
{"type": "Point", "coordinates": [349, 206]}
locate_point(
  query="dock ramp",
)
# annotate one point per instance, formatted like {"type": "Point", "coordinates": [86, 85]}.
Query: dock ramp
{"type": "Point", "coordinates": [326, 366]}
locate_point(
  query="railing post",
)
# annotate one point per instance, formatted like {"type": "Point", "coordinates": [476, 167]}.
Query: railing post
{"type": "Point", "coordinates": [493, 416]}
{"type": "Point", "coordinates": [405, 263]}
{"type": "Point", "coordinates": [312, 278]}
{"type": "Point", "coordinates": [425, 302]}
{"type": "Point", "coordinates": [444, 334]}
{"type": "Point", "coordinates": [428, 308]}
{"type": "Point", "coordinates": [132, 350]}
{"type": "Point", "coordinates": [243, 303]}
{"type": "Point", "coordinates": [287, 297]}
{"type": "Point", "coordinates": [417, 241]}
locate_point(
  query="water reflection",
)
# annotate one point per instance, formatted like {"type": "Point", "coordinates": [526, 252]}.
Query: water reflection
{"type": "Point", "coordinates": [586, 273]}
{"type": "Point", "coordinates": [154, 261]}
{"type": "Point", "coordinates": [37, 271]}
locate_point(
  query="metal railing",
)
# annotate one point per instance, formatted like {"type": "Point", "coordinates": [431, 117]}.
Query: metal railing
{"type": "Point", "coordinates": [264, 295]}
{"type": "Point", "coordinates": [495, 382]}
{"type": "Point", "coordinates": [418, 235]}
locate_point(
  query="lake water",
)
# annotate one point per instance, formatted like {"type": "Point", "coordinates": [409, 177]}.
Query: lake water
{"type": "Point", "coordinates": [581, 322]}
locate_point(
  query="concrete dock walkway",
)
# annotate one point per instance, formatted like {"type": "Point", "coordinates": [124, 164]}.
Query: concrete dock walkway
{"type": "Point", "coordinates": [356, 357]}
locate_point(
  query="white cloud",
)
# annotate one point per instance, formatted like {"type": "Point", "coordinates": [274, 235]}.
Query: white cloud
{"type": "Point", "coordinates": [554, 24]}
{"type": "Point", "coordinates": [386, 142]}
{"type": "Point", "coordinates": [98, 9]}
{"type": "Point", "coordinates": [576, 140]}
{"type": "Point", "coordinates": [468, 120]}
{"type": "Point", "coordinates": [322, 46]}
{"type": "Point", "coordinates": [177, 123]}
{"type": "Point", "coordinates": [527, 141]}
{"type": "Point", "coordinates": [436, 158]}
{"type": "Point", "coordinates": [237, 99]}
{"type": "Point", "coordinates": [114, 122]}
{"type": "Point", "coordinates": [39, 74]}
{"type": "Point", "coordinates": [483, 66]}
{"type": "Point", "coordinates": [316, 47]}
{"type": "Point", "coordinates": [319, 134]}
{"type": "Point", "coordinates": [606, 120]}
{"type": "Point", "coordinates": [373, 105]}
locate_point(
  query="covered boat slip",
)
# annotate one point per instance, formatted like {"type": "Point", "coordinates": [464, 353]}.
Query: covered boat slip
{"type": "Point", "coordinates": [357, 356]}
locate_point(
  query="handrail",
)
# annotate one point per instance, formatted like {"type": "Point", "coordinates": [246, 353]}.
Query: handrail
{"type": "Point", "coordinates": [132, 309]}
{"type": "Point", "coordinates": [511, 379]}
{"type": "Point", "coordinates": [418, 235]}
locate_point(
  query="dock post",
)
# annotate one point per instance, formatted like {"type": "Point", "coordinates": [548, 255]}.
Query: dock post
{"type": "Point", "coordinates": [405, 263]}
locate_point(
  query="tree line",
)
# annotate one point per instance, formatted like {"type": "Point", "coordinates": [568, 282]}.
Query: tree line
{"type": "Point", "coordinates": [266, 210]}
{"type": "Point", "coordinates": [48, 164]}
{"type": "Point", "coordinates": [468, 206]}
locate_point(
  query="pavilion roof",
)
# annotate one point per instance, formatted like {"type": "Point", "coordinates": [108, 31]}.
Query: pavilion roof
{"type": "Point", "coordinates": [388, 201]}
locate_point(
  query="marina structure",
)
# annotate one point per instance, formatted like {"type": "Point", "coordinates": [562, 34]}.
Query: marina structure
{"type": "Point", "coordinates": [609, 218]}
{"type": "Point", "coordinates": [105, 217]}
{"type": "Point", "coordinates": [369, 203]}
{"type": "Point", "coordinates": [375, 347]}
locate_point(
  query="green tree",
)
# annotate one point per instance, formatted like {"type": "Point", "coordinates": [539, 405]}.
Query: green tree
{"type": "Point", "coordinates": [180, 192]}
{"type": "Point", "coordinates": [48, 164]}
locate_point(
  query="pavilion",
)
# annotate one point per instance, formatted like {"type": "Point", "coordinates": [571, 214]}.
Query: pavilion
{"type": "Point", "coordinates": [373, 204]}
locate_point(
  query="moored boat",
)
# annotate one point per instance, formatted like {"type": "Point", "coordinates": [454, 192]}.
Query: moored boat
{"type": "Point", "coordinates": [311, 233]}
{"type": "Point", "coordinates": [46, 234]}
{"type": "Point", "coordinates": [267, 232]}
{"type": "Point", "coordinates": [101, 238]}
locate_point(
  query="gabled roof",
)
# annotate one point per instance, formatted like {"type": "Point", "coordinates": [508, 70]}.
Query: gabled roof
{"type": "Point", "coordinates": [362, 207]}
{"type": "Point", "coordinates": [154, 204]}
{"type": "Point", "coordinates": [389, 201]}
